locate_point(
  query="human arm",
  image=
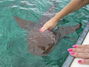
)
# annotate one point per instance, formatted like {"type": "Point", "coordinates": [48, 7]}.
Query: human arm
{"type": "Point", "coordinates": [71, 7]}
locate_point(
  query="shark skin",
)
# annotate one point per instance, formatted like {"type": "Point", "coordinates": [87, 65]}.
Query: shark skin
{"type": "Point", "coordinates": [41, 43]}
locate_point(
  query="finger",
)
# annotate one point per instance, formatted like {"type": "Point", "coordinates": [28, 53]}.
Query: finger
{"type": "Point", "coordinates": [43, 29]}
{"type": "Point", "coordinates": [81, 46]}
{"type": "Point", "coordinates": [80, 55]}
{"type": "Point", "coordinates": [83, 61]}
{"type": "Point", "coordinates": [79, 50]}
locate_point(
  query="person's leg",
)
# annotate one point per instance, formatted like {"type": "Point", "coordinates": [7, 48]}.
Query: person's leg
{"type": "Point", "coordinates": [80, 51]}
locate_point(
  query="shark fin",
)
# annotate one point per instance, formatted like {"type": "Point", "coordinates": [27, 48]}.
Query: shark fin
{"type": "Point", "coordinates": [24, 23]}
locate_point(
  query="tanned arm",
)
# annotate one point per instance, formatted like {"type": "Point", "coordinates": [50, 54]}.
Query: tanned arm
{"type": "Point", "coordinates": [71, 7]}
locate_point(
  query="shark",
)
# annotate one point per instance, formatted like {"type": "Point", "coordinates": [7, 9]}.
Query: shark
{"type": "Point", "coordinates": [42, 43]}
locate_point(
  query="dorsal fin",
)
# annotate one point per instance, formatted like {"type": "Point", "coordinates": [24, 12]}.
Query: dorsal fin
{"type": "Point", "coordinates": [24, 23]}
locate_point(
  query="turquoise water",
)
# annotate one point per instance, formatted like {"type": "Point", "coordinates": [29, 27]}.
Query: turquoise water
{"type": "Point", "coordinates": [13, 44]}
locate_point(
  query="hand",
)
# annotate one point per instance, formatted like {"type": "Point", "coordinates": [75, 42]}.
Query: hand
{"type": "Point", "coordinates": [80, 51]}
{"type": "Point", "coordinates": [48, 25]}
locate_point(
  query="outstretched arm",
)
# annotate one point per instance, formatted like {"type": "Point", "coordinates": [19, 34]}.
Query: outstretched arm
{"type": "Point", "coordinates": [71, 7]}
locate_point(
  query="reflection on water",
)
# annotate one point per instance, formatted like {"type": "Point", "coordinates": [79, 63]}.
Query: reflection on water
{"type": "Point", "coordinates": [13, 44]}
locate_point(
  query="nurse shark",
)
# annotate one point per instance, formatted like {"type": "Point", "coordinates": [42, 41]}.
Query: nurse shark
{"type": "Point", "coordinates": [42, 43]}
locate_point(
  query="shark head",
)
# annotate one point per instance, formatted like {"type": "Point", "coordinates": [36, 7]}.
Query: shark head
{"type": "Point", "coordinates": [41, 42]}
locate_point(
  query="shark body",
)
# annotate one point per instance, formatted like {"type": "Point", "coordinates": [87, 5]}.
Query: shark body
{"type": "Point", "coordinates": [41, 43]}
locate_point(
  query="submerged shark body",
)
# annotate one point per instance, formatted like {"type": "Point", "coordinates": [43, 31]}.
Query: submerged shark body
{"type": "Point", "coordinates": [41, 43]}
